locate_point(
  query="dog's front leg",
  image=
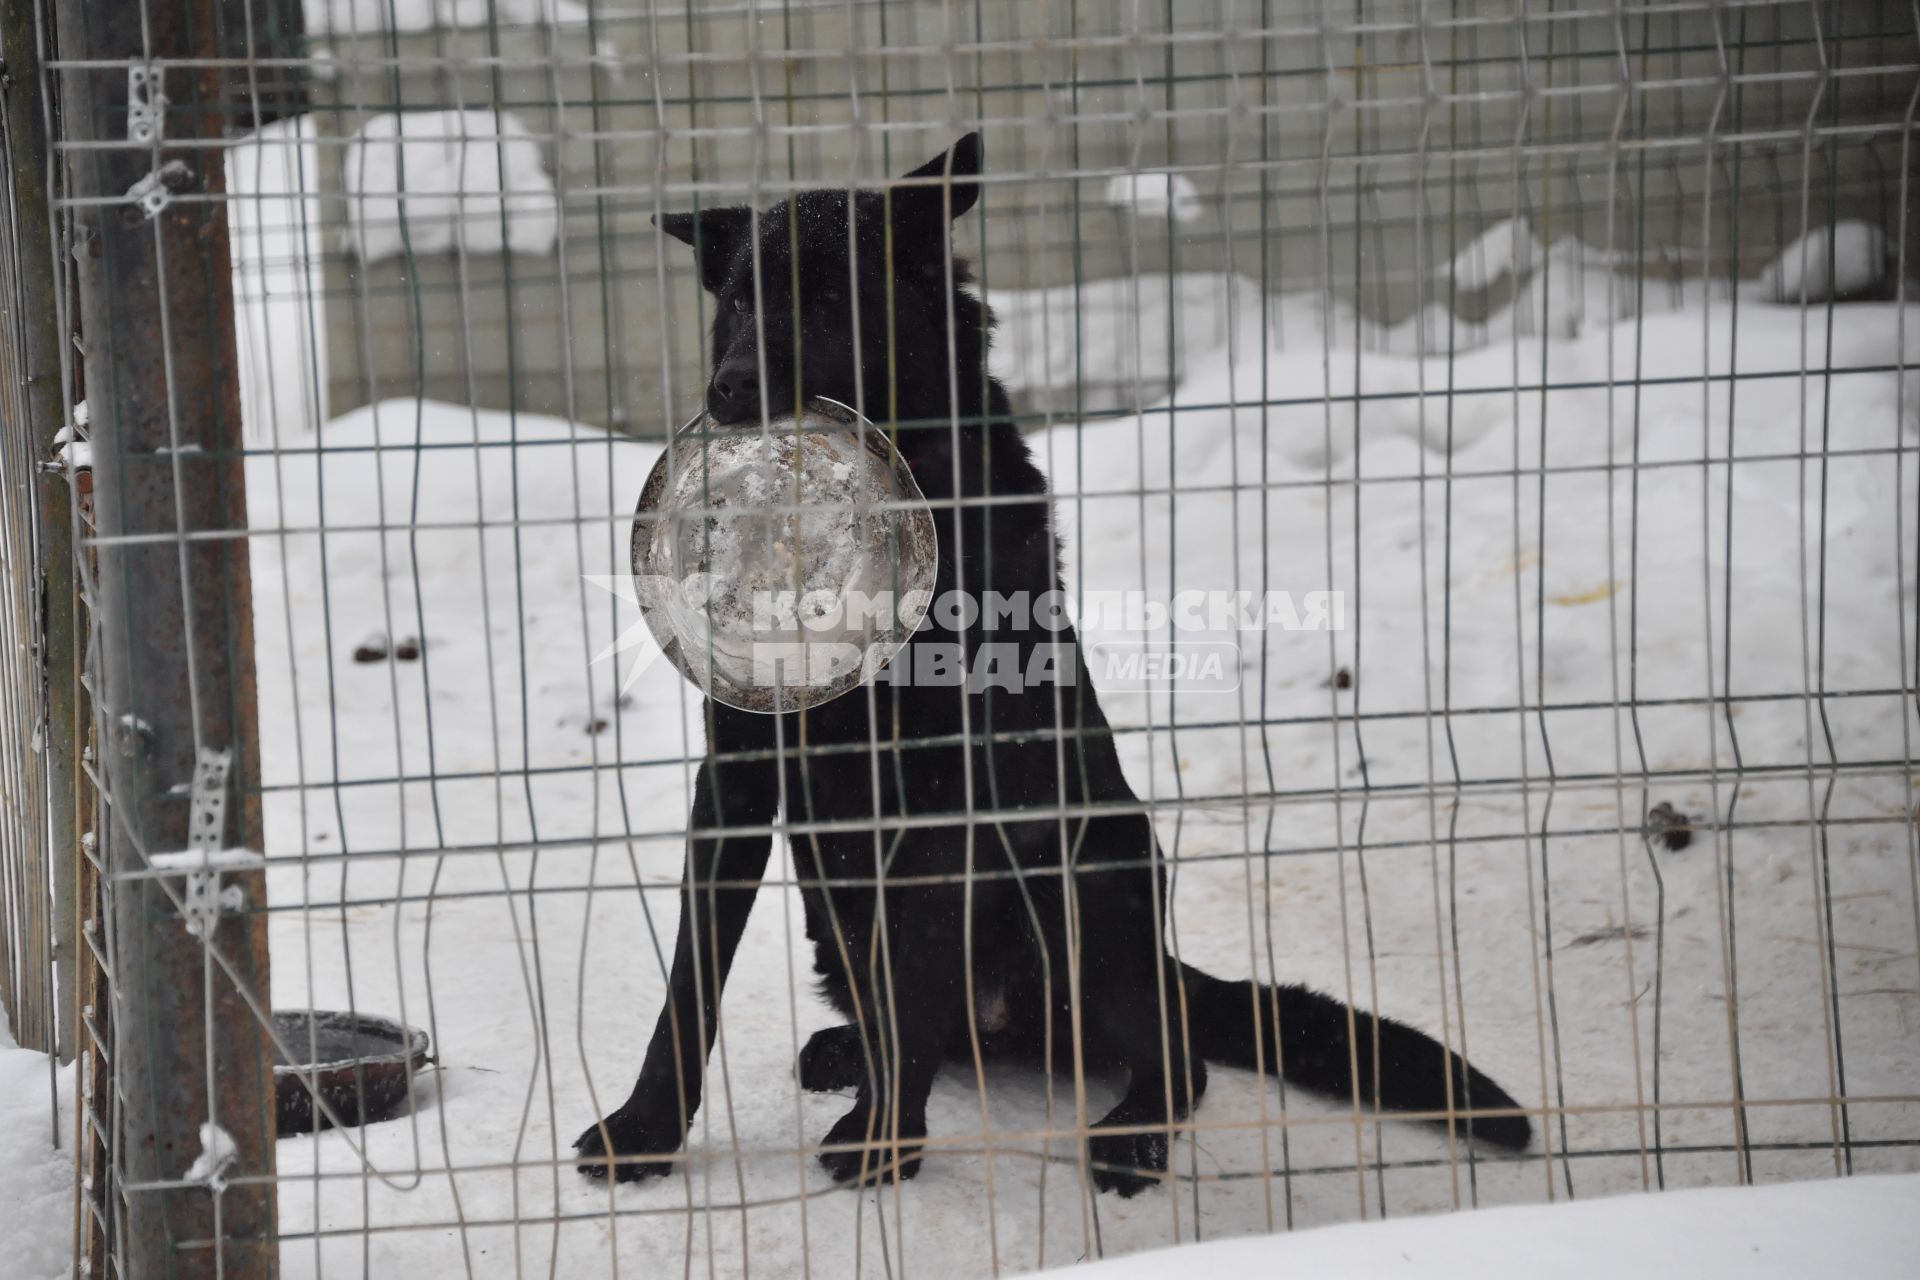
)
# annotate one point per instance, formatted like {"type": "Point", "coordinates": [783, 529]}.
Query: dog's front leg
{"type": "Point", "coordinates": [717, 888]}
{"type": "Point", "coordinates": [910, 1002]}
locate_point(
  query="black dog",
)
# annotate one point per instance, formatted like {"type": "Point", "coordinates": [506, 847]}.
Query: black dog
{"type": "Point", "coordinates": [1066, 911]}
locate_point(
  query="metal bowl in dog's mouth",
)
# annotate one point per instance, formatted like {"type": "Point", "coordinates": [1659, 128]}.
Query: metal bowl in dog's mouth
{"type": "Point", "coordinates": [782, 565]}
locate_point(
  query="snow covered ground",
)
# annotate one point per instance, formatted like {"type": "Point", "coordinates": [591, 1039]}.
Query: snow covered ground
{"type": "Point", "coordinates": [1470, 586]}
{"type": "Point", "coordinates": [36, 1179]}
{"type": "Point", "coordinates": [1863, 1228]}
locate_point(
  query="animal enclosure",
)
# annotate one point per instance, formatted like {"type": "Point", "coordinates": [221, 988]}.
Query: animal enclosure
{"type": "Point", "coordinates": [1538, 385]}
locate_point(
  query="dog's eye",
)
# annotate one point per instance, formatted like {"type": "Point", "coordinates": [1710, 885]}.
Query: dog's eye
{"type": "Point", "coordinates": [740, 304]}
{"type": "Point", "coordinates": [832, 296]}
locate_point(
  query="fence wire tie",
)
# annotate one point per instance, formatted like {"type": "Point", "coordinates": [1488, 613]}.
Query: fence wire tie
{"type": "Point", "coordinates": [205, 899]}
{"type": "Point", "coordinates": [155, 191]}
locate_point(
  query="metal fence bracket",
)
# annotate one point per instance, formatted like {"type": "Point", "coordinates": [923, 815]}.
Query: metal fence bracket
{"type": "Point", "coordinates": [205, 899]}
{"type": "Point", "coordinates": [146, 103]}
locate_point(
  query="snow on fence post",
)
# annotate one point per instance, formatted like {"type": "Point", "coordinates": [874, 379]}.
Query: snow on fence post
{"type": "Point", "coordinates": [172, 658]}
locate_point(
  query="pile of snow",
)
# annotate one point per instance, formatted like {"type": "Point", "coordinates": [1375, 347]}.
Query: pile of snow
{"type": "Point", "coordinates": [1156, 195]}
{"type": "Point", "coordinates": [36, 1178]}
{"type": "Point", "coordinates": [431, 181]}
{"type": "Point", "coordinates": [1531, 563]}
{"type": "Point", "coordinates": [1110, 344]}
{"type": "Point", "coordinates": [1572, 283]}
{"type": "Point", "coordinates": [369, 17]}
{"type": "Point", "coordinates": [1507, 248]}
{"type": "Point", "coordinates": [276, 247]}
{"type": "Point", "coordinates": [1124, 343]}
{"type": "Point", "coordinates": [1560, 289]}
{"type": "Point", "coordinates": [1855, 252]}
{"type": "Point", "coordinates": [1864, 1228]}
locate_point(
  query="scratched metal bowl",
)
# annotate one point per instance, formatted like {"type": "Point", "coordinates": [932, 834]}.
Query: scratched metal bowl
{"type": "Point", "coordinates": [780, 567]}
{"type": "Point", "coordinates": [360, 1067]}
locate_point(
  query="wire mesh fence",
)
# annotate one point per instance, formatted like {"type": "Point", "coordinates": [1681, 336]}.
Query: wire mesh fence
{"type": "Point", "coordinates": [1474, 445]}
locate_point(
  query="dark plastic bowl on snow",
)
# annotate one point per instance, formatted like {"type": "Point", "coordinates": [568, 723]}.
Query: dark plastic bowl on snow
{"type": "Point", "coordinates": [360, 1068]}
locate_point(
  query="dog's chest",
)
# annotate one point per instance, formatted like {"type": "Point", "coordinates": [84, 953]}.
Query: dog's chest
{"type": "Point", "coordinates": [990, 1008]}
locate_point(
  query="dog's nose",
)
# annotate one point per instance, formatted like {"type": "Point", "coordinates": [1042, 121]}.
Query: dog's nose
{"type": "Point", "coordinates": [734, 393]}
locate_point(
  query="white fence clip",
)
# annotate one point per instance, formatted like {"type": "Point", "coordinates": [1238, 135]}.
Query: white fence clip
{"type": "Point", "coordinates": [146, 103]}
{"type": "Point", "coordinates": [206, 900]}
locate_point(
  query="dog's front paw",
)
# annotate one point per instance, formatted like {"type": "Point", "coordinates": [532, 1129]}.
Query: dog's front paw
{"type": "Point", "coordinates": [862, 1148]}
{"type": "Point", "coordinates": [1127, 1162]}
{"type": "Point", "coordinates": [833, 1059]}
{"type": "Point", "coordinates": [620, 1144]}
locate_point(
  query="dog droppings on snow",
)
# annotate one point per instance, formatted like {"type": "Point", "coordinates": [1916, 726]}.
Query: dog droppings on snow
{"type": "Point", "coordinates": [377, 648]}
{"type": "Point", "coordinates": [1669, 826]}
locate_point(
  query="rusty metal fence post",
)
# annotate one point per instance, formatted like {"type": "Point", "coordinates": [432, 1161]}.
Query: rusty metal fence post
{"type": "Point", "coordinates": [171, 667]}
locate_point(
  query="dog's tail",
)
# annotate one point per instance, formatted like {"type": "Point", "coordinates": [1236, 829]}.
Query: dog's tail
{"type": "Point", "coordinates": [1234, 1024]}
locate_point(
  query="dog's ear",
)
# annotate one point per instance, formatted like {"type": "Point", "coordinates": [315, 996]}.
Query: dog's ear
{"type": "Point", "coordinates": [927, 200]}
{"type": "Point", "coordinates": [716, 236]}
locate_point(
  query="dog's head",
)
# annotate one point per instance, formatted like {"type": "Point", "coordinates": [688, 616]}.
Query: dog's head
{"type": "Point", "coordinates": [849, 295]}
